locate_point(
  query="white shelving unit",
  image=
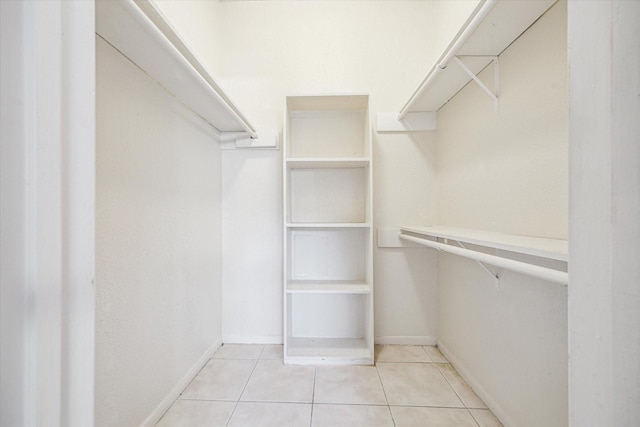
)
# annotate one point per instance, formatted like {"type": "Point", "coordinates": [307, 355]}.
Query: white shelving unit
{"type": "Point", "coordinates": [328, 272]}
{"type": "Point", "coordinates": [489, 30]}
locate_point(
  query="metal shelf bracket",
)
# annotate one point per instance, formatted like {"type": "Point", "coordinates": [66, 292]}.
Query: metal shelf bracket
{"type": "Point", "coordinates": [484, 266]}
{"type": "Point", "coordinates": [496, 78]}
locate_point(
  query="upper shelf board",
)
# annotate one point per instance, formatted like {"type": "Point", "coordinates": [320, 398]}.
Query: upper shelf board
{"type": "Point", "coordinates": [328, 103]}
{"type": "Point", "coordinates": [536, 246]}
{"type": "Point", "coordinates": [140, 32]}
{"type": "Point", "coordinates": [505, 22]}
{"type": "Point", "coordinates": [328, 162]}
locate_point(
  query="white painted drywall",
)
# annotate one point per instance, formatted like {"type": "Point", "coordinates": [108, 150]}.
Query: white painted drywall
{"type": "Point", "coordinates": [267, 50]}
{"type": "Point", "coordinates": [195, 21]}
{"type": "Point", "coordinates": [158, 241]}
{"type": "Point", "coordinates": [507, 171]}
{"type": "Point", "coordinates": [604, 297]}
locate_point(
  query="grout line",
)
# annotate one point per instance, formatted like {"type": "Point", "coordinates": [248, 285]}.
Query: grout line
{"type": "Point", "coordinates": [386, 399]}
{"type": "Point", "coordinates": [404, 405]}
{"type": "Point", "coordinates": [393, 420]}
{"type": "Point", "coordinates": [196, 399]}
{"type": "Point", "coordinates": [474, 418]}
{"type": "Point", "coordinates": [261, 351]}
{"type": "Point", "coordinates": [427, 353]}
{"type": "Point", "coordinates": [452, 387]}
{"type": "Point", "coordinates": [382, 385]}
{"type": "Point", "coordinates": [243, 389]}
{"type": "Point", "coordinates": [249, 379]}
{"type": "Point", "coordinates": [313, 395]}
{"type": "Point", "coordinates": [346, 404]}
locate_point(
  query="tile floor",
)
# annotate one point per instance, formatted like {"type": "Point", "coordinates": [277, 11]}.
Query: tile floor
{"type": "Point", "coordinates": [248, 386]}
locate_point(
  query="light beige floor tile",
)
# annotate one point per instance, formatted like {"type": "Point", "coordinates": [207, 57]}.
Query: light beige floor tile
{"type": "Point", "coordinates": [460, 386]}
{"type": "Point", "coordinates": [401, 353]}
{"type": "Point", "coordinates": [197, 413]}
{"type": "Point", "coordinates": [435, 354]}
{"type": "Point", "coordinates": [416, 384]}
{"type": "Point", "coordinates": [220, 380]}
{"type": "Point", "coordinates": [431, 417]}
{"type": "Point", "coordinates": [238, 351]}
{"type": "Point", "coordinates": [272, 381]}
{"type": "Point", "coordinates": [351, 416]}
{"type": "Point", "coordinates": [485, 418]}
{"type": "Point", "coordinates": [256, 414]}
{"type": "Point", "coordinates": [348, 385]}
{"type": "Point", "coordinates": [272, 352]}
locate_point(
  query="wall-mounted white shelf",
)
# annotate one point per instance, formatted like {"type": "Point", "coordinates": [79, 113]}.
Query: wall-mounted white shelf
{"type": "Point", "coordinates": [552, 249]}
{"type": "Point", "coordinates": [140, 32]}
{"type": "Point", "coordinates": [490, 29]}
{"type": "Point", "coordinates": [544, 248]}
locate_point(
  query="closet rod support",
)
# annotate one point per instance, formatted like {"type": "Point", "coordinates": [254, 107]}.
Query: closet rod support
{"type": "Point", "coordinates": [480, 263]}
{"type": "Point", "coordinates": [544, 273]}
{"type": "Point", "coordinates": [480, 14]}
{"type": "Point", "coordinates": [496, 73]}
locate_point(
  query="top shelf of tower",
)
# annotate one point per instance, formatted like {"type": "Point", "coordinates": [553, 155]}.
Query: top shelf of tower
{"type": "Point", "coordinates": [327, 126]}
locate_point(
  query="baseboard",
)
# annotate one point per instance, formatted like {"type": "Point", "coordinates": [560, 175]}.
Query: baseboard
{"type": "Point", "coordinates": [262, 339]}
{"type": "Point", "coordinates": [488, 399]}
{"type": "Point", "coordinates": [175, 392]}
{"type": "Point", "coordinates": [409, 340]}
{"type": "Point", "coordinates": [271, 339]}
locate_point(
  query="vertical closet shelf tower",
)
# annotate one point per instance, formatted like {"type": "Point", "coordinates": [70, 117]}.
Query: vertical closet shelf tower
{"type": "Point", "coordinates": [327, 195]}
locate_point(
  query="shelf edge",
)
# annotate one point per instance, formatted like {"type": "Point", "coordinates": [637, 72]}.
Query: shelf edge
{"type": "Point", "coordinates": [556, 250]}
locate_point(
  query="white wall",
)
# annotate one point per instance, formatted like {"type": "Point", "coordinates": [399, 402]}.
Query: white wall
{"type": "Point", "coordinates": [267, 50]}
{"type": "Point", "coordinates": [604, 302]}
{"type": "Point", "coordinates": [507, 171]}
{"type": "Point", "coordinates": [158, 248]}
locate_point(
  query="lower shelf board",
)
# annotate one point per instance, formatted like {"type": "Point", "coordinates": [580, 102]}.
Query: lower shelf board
{"type": "Point", "coordinates": [328, 351]}
{"type": "Point", "coordinates": [329, 286]}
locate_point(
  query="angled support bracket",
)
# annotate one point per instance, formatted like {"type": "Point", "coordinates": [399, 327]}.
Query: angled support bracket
{"type": "Point", "coordinates": [496, 78]}
{"type": "Point", "coordinates": [483, 265]}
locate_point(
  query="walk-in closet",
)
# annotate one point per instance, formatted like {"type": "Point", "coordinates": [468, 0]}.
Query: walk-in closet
{"type": "Point", "coordinates": [320, 213]}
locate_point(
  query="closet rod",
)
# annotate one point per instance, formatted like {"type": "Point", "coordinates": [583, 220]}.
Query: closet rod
{"type": "Point", "coordinates": [153, 22]}
{"type": "Point", "coordinates": [448, 55]}
{"type": "Point", "coordinates": [181, 51]}
{"type": "Point", "coordinates": [509, 264]}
